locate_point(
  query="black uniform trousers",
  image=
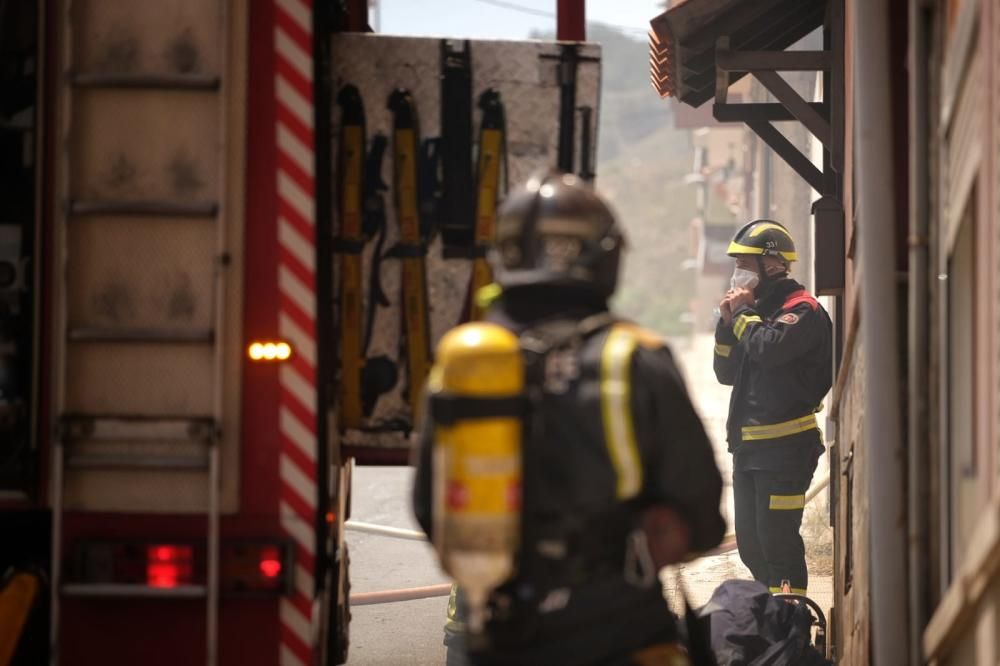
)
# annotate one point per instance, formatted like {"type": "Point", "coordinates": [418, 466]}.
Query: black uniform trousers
{"type": "Point", "coordinates": [769, 501]}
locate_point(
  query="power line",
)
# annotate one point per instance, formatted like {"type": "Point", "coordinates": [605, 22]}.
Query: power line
{"type": "Point", "coordinates": [518, 8]}
{"type": "Point", "coordinates": [544, 14]}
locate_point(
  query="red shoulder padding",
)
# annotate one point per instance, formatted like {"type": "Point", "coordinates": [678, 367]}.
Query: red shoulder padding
{"type": "Point", "coordinates": [800, 296]}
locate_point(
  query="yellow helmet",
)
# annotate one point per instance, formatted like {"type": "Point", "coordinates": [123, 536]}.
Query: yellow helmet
{"type": "Point", "coordinates": [763, 238]}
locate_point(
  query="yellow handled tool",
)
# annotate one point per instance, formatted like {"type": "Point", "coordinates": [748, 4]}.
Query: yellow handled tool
{"type": "Point", "coordinates": [17, 598]}
{"type": "Point", "coordinates": [350, 243]}
{"type": "Point", "coordinates": [491, 153]}
{"type": "Point", "coordinates": [411, 247]}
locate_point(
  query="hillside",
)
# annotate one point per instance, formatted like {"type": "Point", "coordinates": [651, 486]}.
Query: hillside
{"type": "Point", "coordinates": [641, 162]}
{"type": "Point", "coordinates": [644, 184]}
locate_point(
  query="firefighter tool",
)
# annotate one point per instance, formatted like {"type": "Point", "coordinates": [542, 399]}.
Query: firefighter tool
{"type": "Point", "coordinates": [492, 143]}
{"type": "Point", "coordinates": [362, 218]}
{"type": "Point", "coordinates": [456, 148]}
{"type": "Point", "coordinates": [569, 60]}
{"type": "Point", "coordinates": [350, 243]}
{"type": "Point", "coordinates": [379, 373]}
{"type": "Point", "coordinates": [411, 247]}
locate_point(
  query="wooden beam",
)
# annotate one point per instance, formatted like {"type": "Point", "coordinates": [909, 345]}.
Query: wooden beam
{"type": "Point", "coordinates": [836, 77]}
{"type": "Point", "coordinates": [808, 116]}
{"type": "Point", "coordinates": [760, 111]}
{"type": "Point", "coordinates": [778, 61]}
{"type": "Point", "coordinates": [788, 152]}
{"type": "Point", "coordinates": [721, 75]}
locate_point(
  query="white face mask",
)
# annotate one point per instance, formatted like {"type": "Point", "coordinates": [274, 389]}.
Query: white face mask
{"type": "Point", "coordinates": [744, 279]}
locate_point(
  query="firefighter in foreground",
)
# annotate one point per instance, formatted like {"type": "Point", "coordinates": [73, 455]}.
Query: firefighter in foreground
{"type": "Point", "coordinates": [773, 346]}
{"type": "Point", "coordinates": [561, 463]}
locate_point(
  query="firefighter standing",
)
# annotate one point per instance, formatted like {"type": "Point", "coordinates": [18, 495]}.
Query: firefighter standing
{"type": "Point", "coordinates": [619, 478]}
{"type": "Point", "coordinates": [773, 346]}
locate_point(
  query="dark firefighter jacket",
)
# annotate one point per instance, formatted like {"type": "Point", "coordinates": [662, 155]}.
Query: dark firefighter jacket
{"type": "Point", "coordinates": [585, 491]}
{"type": "Point", "coordinates": [777, 357]}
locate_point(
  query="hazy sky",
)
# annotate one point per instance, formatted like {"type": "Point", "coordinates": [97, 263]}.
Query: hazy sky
{"type": "Point", "coordinates": [503, 19]}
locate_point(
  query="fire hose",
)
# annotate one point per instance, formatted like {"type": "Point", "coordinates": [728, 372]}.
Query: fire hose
{"type": "Point", "coordinates": [404, 594]}
{"type": "Point", "coordinates": [443, 589]}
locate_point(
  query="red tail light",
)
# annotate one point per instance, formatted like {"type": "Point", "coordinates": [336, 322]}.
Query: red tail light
{"type": "Point", "coordinates": [246, 566]}
{"type": "Point", "coordinates": [169, 565]}
{"type": "Point", "coordinates": [256, 567]}
{"type": "Point", "coordinates": [270, 562]}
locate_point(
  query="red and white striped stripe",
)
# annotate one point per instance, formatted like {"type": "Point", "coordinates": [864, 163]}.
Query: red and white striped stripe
{"type": "Point", "coordinates": [296, 188]}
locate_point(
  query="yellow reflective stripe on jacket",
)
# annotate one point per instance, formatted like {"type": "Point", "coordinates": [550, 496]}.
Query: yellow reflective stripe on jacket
{"type": "Point", "coordinates": [795, 426]}
{"type": "Point", "coordinates": [723, 350]}
{"type": "Point", "coordinates": [741, 323]}
{"type": "Point", "coordinates": [616, 410]}
{"type": "Point", "coordinates": [794, 590]}
{"type": "Point", "coordinates": [787, 502]}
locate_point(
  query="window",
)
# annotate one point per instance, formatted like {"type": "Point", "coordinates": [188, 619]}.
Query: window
{"type": "Point", "coordinates": [848, 525]}
{"type": "Point", "coordinates": [959, 471]}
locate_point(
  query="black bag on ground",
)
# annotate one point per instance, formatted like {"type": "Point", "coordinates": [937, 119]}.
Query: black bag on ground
{"type": "Point", "coordinates": [750, 627]}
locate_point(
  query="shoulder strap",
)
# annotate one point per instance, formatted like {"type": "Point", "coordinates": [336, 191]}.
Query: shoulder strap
{"type": "Point", "coordinates": [798, 297]}
{"type": "Point", "coordinates": [616, 409]}
{"type": "Point", "coordinates": [615, 384]}
{"type": "Point", "coordinates": [644, 337]}
{"type": "Point", "coordinates": [552, 334]}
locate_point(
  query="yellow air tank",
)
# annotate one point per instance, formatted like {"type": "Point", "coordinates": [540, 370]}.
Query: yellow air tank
{"type": "Point", "coordinates": [477, 387]}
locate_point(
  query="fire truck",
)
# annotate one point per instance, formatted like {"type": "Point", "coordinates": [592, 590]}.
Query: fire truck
{"type": "Point", "coordinates": [168, 492]}
{"type": "Point", "coordinates": [175, 432]}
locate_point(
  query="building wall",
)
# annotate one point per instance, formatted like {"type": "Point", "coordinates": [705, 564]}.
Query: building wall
{"type": "Point", "coordinates": [965, 624]}
{"type": "Point", "coordinates": [851, 572]}
{"type": "Point", "coordinates": [851, 634]}
{"type": "Point", "coordinates": [849, 300]}
{"type": "Point", "coordinates": [964, 507]}
{"type": "Point", "coordinates": [963, 513]}
{"type": "Point", "coordinates": [992, 38]}
{"type": "Point", "coordinates": [990, 242]}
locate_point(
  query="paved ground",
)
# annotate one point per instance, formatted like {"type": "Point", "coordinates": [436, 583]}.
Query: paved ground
{"type": "Point", "coordinates": [407, 632]}
{"type": "Point", "coordinates": [410, 632]}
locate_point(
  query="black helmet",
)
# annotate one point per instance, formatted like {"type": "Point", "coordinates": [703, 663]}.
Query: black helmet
{"type": "Point", "coordinates": [763, 238]}
{"type": "Point", "coordinates": [557, 231]}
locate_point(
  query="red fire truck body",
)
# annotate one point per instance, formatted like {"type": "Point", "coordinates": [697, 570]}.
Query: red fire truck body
{"type": "Point", "coordinates": [169, 484]}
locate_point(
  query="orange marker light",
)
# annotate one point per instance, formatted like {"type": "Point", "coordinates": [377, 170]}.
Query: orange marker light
{"type": "Point", "coordinates": [269, 350]}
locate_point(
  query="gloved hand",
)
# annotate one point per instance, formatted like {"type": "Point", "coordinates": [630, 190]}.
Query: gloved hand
{"type": "Point", "coordinates": [667, 534]}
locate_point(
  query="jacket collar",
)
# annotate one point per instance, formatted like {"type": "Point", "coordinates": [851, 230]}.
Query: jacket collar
{"type": "Point", "coordinates": [774, 298]}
